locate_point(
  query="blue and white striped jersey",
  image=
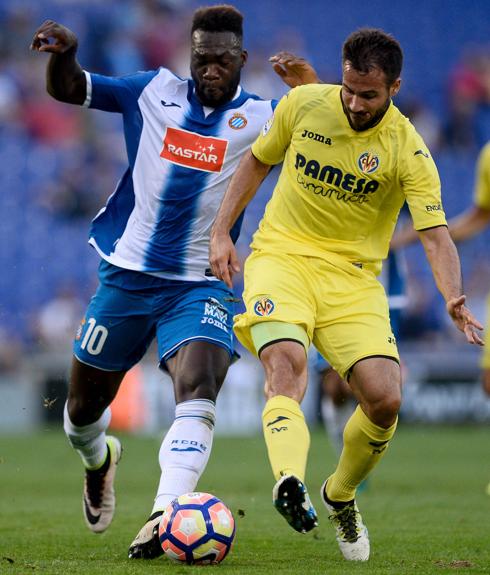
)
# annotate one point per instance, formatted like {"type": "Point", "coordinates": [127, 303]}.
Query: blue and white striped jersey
{"type": "Point", "coordinates": [181, 158]}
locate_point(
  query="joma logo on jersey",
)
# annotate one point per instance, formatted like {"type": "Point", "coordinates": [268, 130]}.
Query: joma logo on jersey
{"type": "Point", "coordinates": [316, 137]}
{"type": "Point", "coordinates": [192, 150]}
{"type": "Point", "coordinates": [333, 176]}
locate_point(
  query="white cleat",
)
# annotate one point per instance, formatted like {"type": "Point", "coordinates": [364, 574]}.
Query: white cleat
{"type": "Point", "coordinates": [352, 534]}
{"type": "Point", "coordinates": [99, 500]}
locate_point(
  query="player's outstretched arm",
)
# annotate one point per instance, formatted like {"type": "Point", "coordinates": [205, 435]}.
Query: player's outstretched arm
{"type": "Point", "coordinates": [293, 70]}
{"type": "Point", "coordinates": [463, 227]}
{"type": "Point", "coordinates": [444, 262]}
{"type": "Point", "coordinates": [404, 236]}
{"type": "Point", "coordinates": [242, 188]}
{"type": "Point", "coordinates": [65, 79]}
{"type": "Point", "coordinates": [468, 224]}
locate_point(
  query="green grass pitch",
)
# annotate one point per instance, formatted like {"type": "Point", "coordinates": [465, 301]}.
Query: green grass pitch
{"type": "Point", "coordinates": [426, 508]}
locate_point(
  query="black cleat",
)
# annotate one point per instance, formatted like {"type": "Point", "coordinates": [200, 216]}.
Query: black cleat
{"type": "Point", "coordinates": [146, 544]}
{"type": "Point", "coordinates": [291, 499]}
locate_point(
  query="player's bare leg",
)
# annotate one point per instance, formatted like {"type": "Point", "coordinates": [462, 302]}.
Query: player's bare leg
{"type": "Point", "coordinates": [337, 405]}
{"type": "Point", "coordinates": [486, 381]}
{"type": "Point", "coordinates": [486, 389]}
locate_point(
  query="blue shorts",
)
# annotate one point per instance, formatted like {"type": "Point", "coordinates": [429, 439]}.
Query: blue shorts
{"type": "Point", "coordinates": [130, 308]}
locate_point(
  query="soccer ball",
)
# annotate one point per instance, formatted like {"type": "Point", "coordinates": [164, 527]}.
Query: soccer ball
{"type": "Point", "coordinates": [197, 528]}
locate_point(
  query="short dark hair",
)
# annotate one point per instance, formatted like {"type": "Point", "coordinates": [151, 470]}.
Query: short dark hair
{"type": "Point", "coordinates": [369, 48]}
{"type": "Point", "coordinates": [219, 18]}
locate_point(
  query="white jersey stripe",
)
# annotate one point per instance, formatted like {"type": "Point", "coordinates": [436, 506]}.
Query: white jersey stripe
{"type": "Point", "coordinates": [180, 162]}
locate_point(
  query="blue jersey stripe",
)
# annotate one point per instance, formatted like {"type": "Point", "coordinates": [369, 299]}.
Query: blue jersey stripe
{"type": "Point", "coordinates": [167, 248]}
{"type": "Point", "coordinates": [111, 222]}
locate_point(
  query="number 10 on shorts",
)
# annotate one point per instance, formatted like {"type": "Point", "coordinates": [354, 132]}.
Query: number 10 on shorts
{"type": "Point", "coordinates": [94, 338]}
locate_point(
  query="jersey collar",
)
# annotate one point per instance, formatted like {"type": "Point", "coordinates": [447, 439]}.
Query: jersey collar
{"type": "Point", "coordinates": [205, 113]}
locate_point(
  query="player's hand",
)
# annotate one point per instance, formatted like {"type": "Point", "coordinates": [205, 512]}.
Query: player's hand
{"type": "Point", "coordinates": [223, 257]}
{"type": "Point", "coordinates": [293, 70]}
{"type": "Point", "coordinates": [53, 37]}
{"type": "Point", "coordinates": [464, 319]}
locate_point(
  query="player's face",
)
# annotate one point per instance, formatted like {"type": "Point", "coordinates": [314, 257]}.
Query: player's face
{"type": "Point", "coordinates": [365, 96]}
{"type": "Point", "coordinates": [216, 62]}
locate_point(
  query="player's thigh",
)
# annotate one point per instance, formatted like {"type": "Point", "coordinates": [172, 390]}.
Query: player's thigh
{"type": "Point", "coordinates": [200, 312]}
{"type": "Point", "coordinates": [277, 289]}
{"type": "Point", "coordinates": [335, 387]}
{"type": "Point", "coordinates": [116, 330]}
{"type": "Point", "coordinates": [486, 380]}
{"type": "Point", "coordinates": [356, 326]}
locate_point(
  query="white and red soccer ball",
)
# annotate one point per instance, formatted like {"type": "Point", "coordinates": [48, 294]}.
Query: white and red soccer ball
{"type": "Point", "coordinates": [197, 528]}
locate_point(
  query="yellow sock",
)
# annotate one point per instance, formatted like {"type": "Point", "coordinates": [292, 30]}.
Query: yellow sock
{"type": "Point", "coordinates": [286, 436]}
{"type": "Point", "coordinates": [365, 444]}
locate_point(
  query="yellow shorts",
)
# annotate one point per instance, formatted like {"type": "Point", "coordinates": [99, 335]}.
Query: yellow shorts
{"type": "Point", "coordinates": [342, 308]}
{"type": "Point", "coordinates": [485, 360]}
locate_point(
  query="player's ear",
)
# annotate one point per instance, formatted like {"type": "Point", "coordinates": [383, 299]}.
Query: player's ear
{"type": "Point", "coordinates": [244, 57]}
{"type": "Point", "coordinates": [395, 87]}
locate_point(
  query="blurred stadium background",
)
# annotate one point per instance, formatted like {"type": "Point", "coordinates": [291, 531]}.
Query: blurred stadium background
{"type": "Point", "coordinates": [59, 164]}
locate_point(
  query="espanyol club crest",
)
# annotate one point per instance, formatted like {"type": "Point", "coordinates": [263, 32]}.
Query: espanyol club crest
{"type": "Point", "coordinates": [237, 121]}
{"type": "Point", "coordinates": [368, 162]}
{"type": "Point", "coordinates": [264, 306]}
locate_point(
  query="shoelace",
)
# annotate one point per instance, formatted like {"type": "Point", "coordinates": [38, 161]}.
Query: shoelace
{"type": "Point", "coordinates": [347, 521]}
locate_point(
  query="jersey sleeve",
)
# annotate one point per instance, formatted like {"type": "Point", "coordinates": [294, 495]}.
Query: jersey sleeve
{"type": "Point", "coordinates": [275, 136]}
{"type": "Point", "coordinates": [421, 184]}
{"type": "Point", "coordinates": [482, 187]}
{"type": "Point", "coordinates": [115, 94]}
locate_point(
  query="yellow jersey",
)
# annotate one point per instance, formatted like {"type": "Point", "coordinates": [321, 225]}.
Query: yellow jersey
{"type": "Point", "coordinates": [340, 191]}
{"type": "Point", "coordinates": [482, 189]}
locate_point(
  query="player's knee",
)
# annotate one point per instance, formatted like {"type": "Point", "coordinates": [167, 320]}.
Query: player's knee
{"type": "Point", "coordinates": [285, 369]}
{"type": "Point", "coordinates": [384, 411]}
{"type": "Point", "coordinates": [85, 410]}
{"type": "Point", "coordinates": [198, 383]}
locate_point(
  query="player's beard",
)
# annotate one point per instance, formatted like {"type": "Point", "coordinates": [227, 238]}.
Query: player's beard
{"type": "Point", "coordinates": [375, 118]}
{"type": "Point", "coordinates": [215, 97]}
